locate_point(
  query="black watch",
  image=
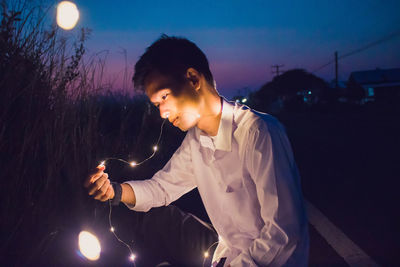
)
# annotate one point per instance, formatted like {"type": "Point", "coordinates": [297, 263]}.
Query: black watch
{"type": "Point", "coordinates": [117, 194]}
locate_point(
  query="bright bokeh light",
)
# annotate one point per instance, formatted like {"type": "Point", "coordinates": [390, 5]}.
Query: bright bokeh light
{"type": "Point", "coordinates": [133, 164]}
{"type": "Point", "coordinates": [206, 255]}
{"type": "Point", "coordinates": [132, 257]}
{"type": "Point", "coordinates": [67, 15]}
{"type": "Point", "coordinates": [155, 148]}
{"type": "Point", "coordinates": [89, 245]}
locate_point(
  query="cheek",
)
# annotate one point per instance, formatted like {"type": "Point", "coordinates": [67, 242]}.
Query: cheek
{"type": "Point", "coordinates": [189, 99]}
{"type": "Point", "coordinates": [188, 120]}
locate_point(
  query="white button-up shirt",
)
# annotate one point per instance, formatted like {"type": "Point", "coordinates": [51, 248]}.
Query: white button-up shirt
{"type": "Point", "coordinates": [248, 180]}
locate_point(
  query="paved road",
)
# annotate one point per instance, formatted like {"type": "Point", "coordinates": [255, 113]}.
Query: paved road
{"type": "Point", "coordinates": [329, 246]}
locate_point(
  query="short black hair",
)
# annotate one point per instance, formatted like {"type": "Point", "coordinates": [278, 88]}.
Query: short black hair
{"type": "Point", "coordinates": [171, 56]}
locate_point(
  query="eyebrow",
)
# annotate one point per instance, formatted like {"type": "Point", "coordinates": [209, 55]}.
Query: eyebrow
{"type": "Point", "coordinates": [162, 87]}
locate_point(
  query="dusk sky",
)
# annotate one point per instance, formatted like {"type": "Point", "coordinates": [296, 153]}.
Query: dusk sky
{"type": "Point", "coordinates": [242, 39]}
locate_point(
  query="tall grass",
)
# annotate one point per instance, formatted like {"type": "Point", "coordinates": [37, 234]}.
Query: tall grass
{"type": "Point", "coordinates": [55, 126]}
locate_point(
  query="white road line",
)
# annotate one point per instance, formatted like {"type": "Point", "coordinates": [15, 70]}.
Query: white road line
{"type": "Point", "coordinates": [346, 248]}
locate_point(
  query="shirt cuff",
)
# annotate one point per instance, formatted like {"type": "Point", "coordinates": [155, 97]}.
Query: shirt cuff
{"type": "Point", "coordinates": [138, 188]}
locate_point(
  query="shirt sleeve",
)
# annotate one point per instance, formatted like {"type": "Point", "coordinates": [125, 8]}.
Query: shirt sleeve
{"type": "Point", "coordinates": [270, 163]}
{"type": "Point", "coordinates": [168, 184]}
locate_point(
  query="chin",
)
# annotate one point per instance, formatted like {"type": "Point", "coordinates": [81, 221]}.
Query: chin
{"type": "Point", "coordinates": [185, 128]}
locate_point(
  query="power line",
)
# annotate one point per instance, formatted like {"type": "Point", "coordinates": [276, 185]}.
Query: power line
{"type": "Point", "coordinates": [380, 41]}
{"type": "Point", "coordinates": [358, 50]}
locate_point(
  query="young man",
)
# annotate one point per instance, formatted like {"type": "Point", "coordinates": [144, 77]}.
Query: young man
{"type": "Point", "coordinates": [239, 159]}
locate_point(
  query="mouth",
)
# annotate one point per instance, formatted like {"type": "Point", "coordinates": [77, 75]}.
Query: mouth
{"type": "Point", "coordinates": [175, 121]}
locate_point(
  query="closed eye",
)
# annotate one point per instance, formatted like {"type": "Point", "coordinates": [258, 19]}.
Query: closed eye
{"type": "Point", "coordinates": [164, 97]}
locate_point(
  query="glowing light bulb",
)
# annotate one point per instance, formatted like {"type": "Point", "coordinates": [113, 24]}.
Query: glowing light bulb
{"type": "Point", "coordinates": [133, 163]}
{"type": "Point", "coordinates": [155, 148]}
{"type": "Point", "coordinates": [132, 257]}
{"type": "Point", "coordinates": [206, 254]}
{"type": "Point", "coordinates": [89, 245]}
{"type": "Point", "coordinates": [67, 15]}
{"type": "Point", "coordinates": [112, 229]}
{"type": "Point", "coordinates": [244, 100]}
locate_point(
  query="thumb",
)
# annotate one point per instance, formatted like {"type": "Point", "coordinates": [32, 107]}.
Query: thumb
{"type": "Point", "coordinates": [101, 167]}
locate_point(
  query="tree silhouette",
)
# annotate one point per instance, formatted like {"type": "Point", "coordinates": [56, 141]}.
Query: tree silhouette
{"type": "Point", "coordinates": [293, 90]}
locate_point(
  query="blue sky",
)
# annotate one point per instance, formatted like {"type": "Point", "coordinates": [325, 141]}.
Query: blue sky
{"type": "Point", "coordinates": [242, 39]}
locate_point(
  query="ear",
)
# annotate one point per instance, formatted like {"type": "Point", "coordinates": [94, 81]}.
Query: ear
{"type": "Point", "coordinates": [194, 77]}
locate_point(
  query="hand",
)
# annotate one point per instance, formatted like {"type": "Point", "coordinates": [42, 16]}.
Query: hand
{"type": "Point", "coordinates": [99, 186]}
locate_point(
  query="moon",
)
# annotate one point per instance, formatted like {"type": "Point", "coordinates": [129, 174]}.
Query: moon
{"type": "Point", "coordinates": [67, 15]}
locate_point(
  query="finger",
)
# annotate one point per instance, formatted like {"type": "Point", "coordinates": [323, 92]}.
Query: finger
{"type": "Point", "coordinates": [99, 194]}
{"type": "Point", "coordinates": [101, 167]}
{"type": "Point", "coordinates": [92, 178]}
{"type": "Point", "coordinates": [108, 194]}
{"type": "Point", "coordinates": [88, 181]}
{"type": "Point", "coordinates": [98, 184]}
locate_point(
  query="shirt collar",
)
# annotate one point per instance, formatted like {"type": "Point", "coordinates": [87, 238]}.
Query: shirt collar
{"type": "Point", "coordinates": [223, 139]}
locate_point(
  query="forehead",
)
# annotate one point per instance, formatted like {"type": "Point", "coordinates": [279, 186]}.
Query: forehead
{"type": "Point", "coordinates": [155, 82]}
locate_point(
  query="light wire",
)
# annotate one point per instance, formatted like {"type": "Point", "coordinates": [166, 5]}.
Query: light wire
{"type": "Point", "coordinates": [208, 250]}
{"type": "Point", "coordinates": [112, 229]}
{"type": "Point", "coordinates": [155, 148]}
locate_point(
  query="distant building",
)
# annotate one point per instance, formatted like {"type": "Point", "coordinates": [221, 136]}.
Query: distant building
{"type": "Point", "coordinates": [341, 84]}
{"type": "Point", "coordinates": [376, 85]}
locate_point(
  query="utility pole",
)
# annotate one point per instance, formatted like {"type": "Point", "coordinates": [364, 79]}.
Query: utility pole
{"type": "Point", "coordinates": [276, 72]}
{"type": "Point", "coordinates": [336, 70]}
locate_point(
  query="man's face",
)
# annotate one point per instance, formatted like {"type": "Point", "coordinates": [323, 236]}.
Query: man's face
{"type": "Point", "coordinates": [182, 110]}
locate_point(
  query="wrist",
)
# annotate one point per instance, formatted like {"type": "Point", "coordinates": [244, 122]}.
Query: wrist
{"type": "Point", "coordinates": [128, 195]}
{"type": "Point", "coordinates": [116, 199]}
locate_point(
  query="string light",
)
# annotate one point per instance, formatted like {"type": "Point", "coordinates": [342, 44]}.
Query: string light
{"type": "Point", "coordinates": [207, 253]}
{"type": "Point", "coordinates": [132, 256]}
{"type": "Point", "coordinates": [112, 229]}
{"type": "Point", "coordinates": [134, 163]}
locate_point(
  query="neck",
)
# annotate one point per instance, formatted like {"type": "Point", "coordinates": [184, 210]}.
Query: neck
{"type": "Point", "coordinates": [211, 111]}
